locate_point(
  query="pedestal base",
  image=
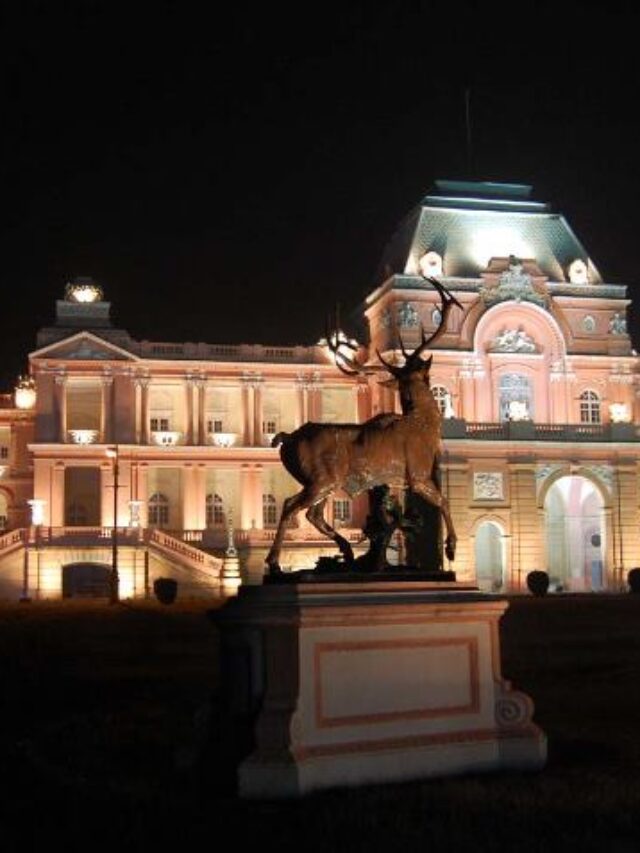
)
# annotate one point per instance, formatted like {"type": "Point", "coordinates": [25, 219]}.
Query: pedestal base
{"type": "Point", "coordinates": [372, 683]}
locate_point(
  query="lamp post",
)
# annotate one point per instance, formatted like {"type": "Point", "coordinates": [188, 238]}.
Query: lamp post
{"type": "Point", "coordinates": [114, 579]}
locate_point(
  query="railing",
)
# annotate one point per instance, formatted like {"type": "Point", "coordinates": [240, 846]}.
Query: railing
{"type": "Point", "coordinates": [184, 553]}
{"type": "Point", "coordinates": [529, 431]}
{"type": "Point", "coordinates": [266, 536]}
{"type": "Point", "coordinates": [12, 540]}
{"type": "Point", "coordinates": [80, 536]}
{"type": "Point", "coordinates": [232, 352]}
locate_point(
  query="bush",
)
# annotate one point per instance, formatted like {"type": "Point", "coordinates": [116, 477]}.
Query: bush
{"type": "Point", "coordinates": [633, 579]}
{"type": "Point", "coordinates": [538, 583]}
{"type": "Point", "coordinates": [166, 590]}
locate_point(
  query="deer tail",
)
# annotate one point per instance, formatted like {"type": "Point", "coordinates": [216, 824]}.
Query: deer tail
{"type": "Point", "coordinates": [279, 438]}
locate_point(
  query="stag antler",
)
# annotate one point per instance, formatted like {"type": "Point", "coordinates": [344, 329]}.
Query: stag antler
{"type": "Point", "coordinates": [412, 359]}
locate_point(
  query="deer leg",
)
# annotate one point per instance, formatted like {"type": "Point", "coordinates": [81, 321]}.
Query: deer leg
{"type": "Point", "coordinates": [289, 507]}
{"type": "Point", "coordinates": [315, 514]}
{"type": "Point", "coordinates": [432, 494]}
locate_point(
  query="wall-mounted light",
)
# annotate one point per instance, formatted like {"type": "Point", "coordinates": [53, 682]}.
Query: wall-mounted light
{"type": "Point", "coordinates": [25, 393]}
{"type": "Point", "coordinates": [37, 511]}
{"type": "Point", "coordinates": [619, 413]}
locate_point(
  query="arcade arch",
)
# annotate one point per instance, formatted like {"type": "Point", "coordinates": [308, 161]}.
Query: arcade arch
{"type": "Point", "coordinates": [575, 533]}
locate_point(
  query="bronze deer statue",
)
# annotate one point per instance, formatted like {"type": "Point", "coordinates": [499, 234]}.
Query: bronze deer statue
{"type": "Point", "coordinates": [389, 449]}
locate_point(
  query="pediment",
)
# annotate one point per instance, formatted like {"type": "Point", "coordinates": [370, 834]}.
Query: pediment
{"type": "Point", "coordinates": [84, 346]}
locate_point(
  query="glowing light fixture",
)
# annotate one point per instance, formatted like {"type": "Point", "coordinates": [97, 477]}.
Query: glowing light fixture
{"type": "Point", "coordinates": [37, 511]}
{"type": "Point", "coordinates": [83, 290]}
{"type": "Point", "coordinates": [619, 413]}
{"type": "Point", "coordinates": [25, 393]}
{"type": "Point", "coordinates": [84, 436]}
{"type": "Point", "coordinates": [498, 242]}
{"type": "Point", "coordinates": [430, 264]}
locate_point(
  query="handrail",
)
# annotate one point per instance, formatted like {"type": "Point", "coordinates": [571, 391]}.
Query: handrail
{"type": "Point", "coordinates": [12, 540]}
{"type": "Point", "coordinates": [193, 557]}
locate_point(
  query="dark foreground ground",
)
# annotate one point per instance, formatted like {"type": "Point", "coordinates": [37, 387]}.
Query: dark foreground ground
{"type": "Point", "coordinates": [107, 743]}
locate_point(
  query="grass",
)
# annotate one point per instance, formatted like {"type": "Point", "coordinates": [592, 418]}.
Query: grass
{"type": "Point", "coordinates": [106, 741]}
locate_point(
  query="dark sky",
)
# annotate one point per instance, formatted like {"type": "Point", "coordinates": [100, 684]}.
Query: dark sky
{"type": "Point", "coordinates": [228, 176]}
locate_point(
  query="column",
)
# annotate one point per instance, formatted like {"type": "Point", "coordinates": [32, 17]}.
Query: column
{"type": "Point", "coordinates": [189, 399]}
{"type": "Point", "coordinates": [189, 508]}
{"type": "Point", "coordinates": [314, 393]}
{"type": "Point", "coordinates": [202, 411]}
{"type": "Point", "coordinates": [200, 496]}
{"type": "Point", "coordinates": [363, 402]}
{"type": "Point", "coordinates": [528, 542]}
{"type": "Point", "coordinates": [248, 409]}
{"type": "Point", "coordinates": [258, 439]}
{"type": "Point", "coordinates": [250, 516]}
{"type": "Point", "coordinates": [56, 497]}
{"type": "Point", "coordinates": [144, 410]}
{"type": "Point", "coordinates": [106, 413]}
{"type": "Point", "coordinates": [142, 493]}
{"type": "Point", "coordinates": [61, 405]}
{"type": "Point", "coordinates": [302, 401]}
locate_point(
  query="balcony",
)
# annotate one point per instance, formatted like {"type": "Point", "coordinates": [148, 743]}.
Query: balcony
{"type": "Point", "coordinates": [456, 428]}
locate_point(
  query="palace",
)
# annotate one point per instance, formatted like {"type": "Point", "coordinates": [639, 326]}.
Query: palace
{"type": "Point", "coordinates": [171, 443]}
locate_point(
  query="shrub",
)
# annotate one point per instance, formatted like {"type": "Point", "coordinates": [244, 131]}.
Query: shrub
{"type": "Point", "coordinates": [633, 579]}
{"type": "Point", "coordinates": [165, 589]}
{"type": "Point", "coordinates": [538, 583]}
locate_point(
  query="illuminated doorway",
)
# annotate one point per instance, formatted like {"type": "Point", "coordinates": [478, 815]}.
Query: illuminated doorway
{"type": "Point", "coordinates": [575, 535]}
{"type": "Point", "coordinates": [490, 557]}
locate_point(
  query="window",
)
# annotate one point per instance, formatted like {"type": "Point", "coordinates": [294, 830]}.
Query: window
{"type": "Point", "coordinates": [215, 425]}
{"type": "Point", "coordinates": [76, 515]}
{"type": "Point", "coordinates": [159, 424]}
{"type": "Point", "coordinates": [3, 523]}
{"type": "Point", "coordinates": [515, 389]}
{"type": "Point", "coordinates": [214, 511]}
{"type": "Point", "coordinates": [269, 511]}
{"type": "Point", "coordinates": [589, 408]}
{"type": "Point", "coordinates": [4, 452]}
{"type": "Point", "coordinates": [341, 511]}
{"type": "Point", "coordinates": [269, 426]}
{"type": "Point", "coordinates": [441, 396]}
{"type": "Point", "coordinates": [158, 510]}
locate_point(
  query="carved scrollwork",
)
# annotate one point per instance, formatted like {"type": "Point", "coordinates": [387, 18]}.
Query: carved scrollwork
{"type": "Point", "coordinates": [513, 709]}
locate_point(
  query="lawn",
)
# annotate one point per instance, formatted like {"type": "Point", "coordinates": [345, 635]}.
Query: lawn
{"type": "Point", "coordinates": [107, 741]}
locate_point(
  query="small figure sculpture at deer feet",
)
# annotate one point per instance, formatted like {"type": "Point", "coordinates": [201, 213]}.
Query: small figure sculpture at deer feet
{"type": "Point", "coordinates": [389, 449]}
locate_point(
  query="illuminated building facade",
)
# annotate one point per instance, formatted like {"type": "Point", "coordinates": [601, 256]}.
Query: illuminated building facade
{"type": "Point", "coordinates": [535, 377]}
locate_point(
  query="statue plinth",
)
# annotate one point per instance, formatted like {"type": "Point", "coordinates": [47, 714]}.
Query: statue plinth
{"type": "Point", "coordinates": [363, 683]}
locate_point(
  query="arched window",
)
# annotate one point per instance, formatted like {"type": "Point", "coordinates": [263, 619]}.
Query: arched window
{"type": "Point", "coordinates": [589, 408]}
{"type": "Point", "coordinates": [158, 510]}
{"type": "Point", "coordinates": [269, 511]}
{"type": "Point", "coordinates": [441, 396]}
{"type": "Point", "coordinates": [214, 511]}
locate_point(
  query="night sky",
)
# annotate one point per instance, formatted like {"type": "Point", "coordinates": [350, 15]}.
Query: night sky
{"type": "Point", "coordinates": [226, 177]}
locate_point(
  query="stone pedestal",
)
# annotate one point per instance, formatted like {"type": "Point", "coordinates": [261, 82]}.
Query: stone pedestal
{"type": "Point", "coordinates": [359, 683]}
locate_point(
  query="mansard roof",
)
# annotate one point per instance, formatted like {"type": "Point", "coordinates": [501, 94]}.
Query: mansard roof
{"type": "Point", "coordinates": [467, 223]}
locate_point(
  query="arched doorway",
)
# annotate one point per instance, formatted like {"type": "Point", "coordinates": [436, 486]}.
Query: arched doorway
{"type": "Point", "coordinates": [575, 534]}
{"type": "Point", "coordinates": [490, 557]}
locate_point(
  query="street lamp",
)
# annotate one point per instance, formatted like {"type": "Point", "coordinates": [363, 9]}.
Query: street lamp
{"type": "Point", "coordinates": [114, 579]}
